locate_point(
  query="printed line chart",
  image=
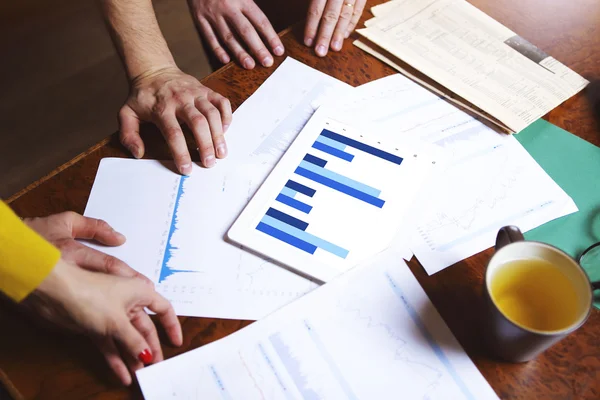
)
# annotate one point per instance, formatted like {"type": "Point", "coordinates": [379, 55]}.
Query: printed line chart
{"type": "Point", "coordinates": [370, 336]}
{"type": "Point", "coordinates": [166, 270]}
{"type": "Point", "coordinates": [490, 182]}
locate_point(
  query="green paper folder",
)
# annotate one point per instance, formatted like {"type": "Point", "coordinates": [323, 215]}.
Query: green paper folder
{"type": "Point", "coordinates": [574, 164]}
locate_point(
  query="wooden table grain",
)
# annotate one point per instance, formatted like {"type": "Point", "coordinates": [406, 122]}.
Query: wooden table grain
{"type": "Point", "coordinates": [42, 365]}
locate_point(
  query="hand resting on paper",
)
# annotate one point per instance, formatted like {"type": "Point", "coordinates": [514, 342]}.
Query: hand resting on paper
{"type": "Point", "coordinates": [98, 295]}
{"type": "Point", "coordinates": [166, 96]}
{"type": "Point", "coordinates": [239, 29]}
{"type": "Point", "coordinates": [226, 23]}
{"type": "Point", "coordinates": [329, 22]}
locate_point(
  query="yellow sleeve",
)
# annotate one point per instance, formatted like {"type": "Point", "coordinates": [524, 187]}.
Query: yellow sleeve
{"type": "Point", "coordinates": [25, 257]}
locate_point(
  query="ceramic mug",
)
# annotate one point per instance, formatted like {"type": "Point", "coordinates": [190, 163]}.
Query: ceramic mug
{"type": "Point", "coordinates": [510, 339]}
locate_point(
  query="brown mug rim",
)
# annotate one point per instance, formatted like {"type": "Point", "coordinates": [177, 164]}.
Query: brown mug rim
{"type": "Point", "coordinates": [561, 332]}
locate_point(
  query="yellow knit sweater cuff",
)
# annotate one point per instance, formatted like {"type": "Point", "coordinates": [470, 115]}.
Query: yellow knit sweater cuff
{"type": "Point", "coordinates": [25, 257]}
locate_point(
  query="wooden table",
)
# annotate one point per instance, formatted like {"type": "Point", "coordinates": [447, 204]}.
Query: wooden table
{"type": "Point", "coordinates": [42, 365]}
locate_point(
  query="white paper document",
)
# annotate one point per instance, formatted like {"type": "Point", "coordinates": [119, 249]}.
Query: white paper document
{"type": "Point", "coordinates": [176, 226]}
{"type": "Point", "coordinates": [336, 198]}
{"type": "Point", "coordinates": [370, 334]}
{"type": "Point", "coordinates": [475, 57]}
{"type": "Point", "coordinates": [488, 181]}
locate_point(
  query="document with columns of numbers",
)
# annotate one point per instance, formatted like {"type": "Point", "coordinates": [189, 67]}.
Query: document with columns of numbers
{"type": "Point", "coordinates": [461, 50]}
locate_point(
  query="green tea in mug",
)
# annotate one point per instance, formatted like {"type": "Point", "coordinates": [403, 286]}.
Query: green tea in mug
{"type": "Point", "coordinates": [535, 294]}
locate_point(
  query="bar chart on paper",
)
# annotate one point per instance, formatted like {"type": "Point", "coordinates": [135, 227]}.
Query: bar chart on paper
{"type": "Point", "coordinates": [335, 198]}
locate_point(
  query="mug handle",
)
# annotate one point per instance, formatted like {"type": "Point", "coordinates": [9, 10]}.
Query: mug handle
{"type": "Point", "coordinates": [507, 235]}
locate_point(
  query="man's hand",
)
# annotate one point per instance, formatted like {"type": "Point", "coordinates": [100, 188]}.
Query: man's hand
{"type": "Point", "coordinates": [229, 22]}
{"type": "Point", "coordinates": [329, 22]}
{"type": "Point", "coordinates": [160, 92]}
{"type": "Point", "coordinates": [166, 96]}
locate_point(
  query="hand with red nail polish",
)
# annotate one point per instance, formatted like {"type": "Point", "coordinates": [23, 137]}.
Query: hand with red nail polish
{"type": "Point", "coordinates": [329, 22]}
{"type": "Point", "coordinates": [145, 356]}
{"type": "Point", "coordinates": [109, 309]}
{"type": "Point", "coordinates": [239, 28]}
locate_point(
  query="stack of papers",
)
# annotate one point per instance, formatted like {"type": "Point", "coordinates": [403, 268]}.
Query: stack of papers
{"type": "Point", "coordinates": [176, 226]}
{"type": "Point", "coordinates": [488, 181]}
{"type": "Point", "coordinates": [370, 334]}
{"type": "Point", "coordinates": [462, 54]}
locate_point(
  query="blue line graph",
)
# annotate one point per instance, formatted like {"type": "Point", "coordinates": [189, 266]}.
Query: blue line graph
{"type": "Point", "coordinates": [269, 362]}
{"type": "Point", "coordinates": [219, 383]}
{"type": "Point", "coordinates": [293, 367]}
{"type": "Point", "coordinates": [166, 270]}
{"type": "Point", "coordinates": [330, 361]}
{"type": "Point", "coordinates": [439, 352]}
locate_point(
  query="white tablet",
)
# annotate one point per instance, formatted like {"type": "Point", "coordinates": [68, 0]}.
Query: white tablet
{"type": "Point", "coordinates": [334, 199]}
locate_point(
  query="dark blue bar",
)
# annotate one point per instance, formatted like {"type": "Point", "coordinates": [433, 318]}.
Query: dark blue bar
{"type": "Point", "coordinates": [361, 146]}
{"type": "Point", "coordinates": [357, 194]}
{"type": "Point", "coordinates": [298, 187]}
{"type": "Point", "coordinates": [333, 151]}
{"type": "Point", "coordinates": [288, 219]}
{"type": "Point", "coordinates": [298, 205]}
{"type": "Point", "coordinates": [315, 160]}
{"type": "Point", "coordinates": [287, 238]}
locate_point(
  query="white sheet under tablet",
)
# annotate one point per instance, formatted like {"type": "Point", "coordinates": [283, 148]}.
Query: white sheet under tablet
{"type": "Point", "coordinates": [335, 198]}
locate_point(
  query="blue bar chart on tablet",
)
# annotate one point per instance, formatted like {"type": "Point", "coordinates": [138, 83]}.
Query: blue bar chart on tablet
{"type": "Point", "coordinates": [335, 197]}
{"type": "Point", "coordinates": [291, 230]}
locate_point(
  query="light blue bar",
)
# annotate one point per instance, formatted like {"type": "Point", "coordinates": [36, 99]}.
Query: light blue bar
{"type": "Point", "coordinates": [288, 192]}
{"type": "Point", "coordinates": [330, 142]}
{"type": "Point", "coordinates": [341, 179]}
{"type": "Point", "coordinates": [305, 236]}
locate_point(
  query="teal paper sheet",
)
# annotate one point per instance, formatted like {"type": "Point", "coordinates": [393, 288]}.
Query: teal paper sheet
{"type": "Point", "coordinates": [574, 164]}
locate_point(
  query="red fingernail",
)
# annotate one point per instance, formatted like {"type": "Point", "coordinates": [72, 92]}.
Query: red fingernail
{"type": "Point", "coordinates": [145, 356]}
